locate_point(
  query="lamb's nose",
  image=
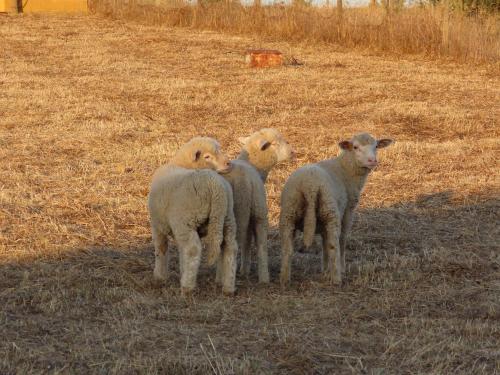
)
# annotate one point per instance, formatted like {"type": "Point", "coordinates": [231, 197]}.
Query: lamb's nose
{"type": "Point", "coordinates": [372, 160]}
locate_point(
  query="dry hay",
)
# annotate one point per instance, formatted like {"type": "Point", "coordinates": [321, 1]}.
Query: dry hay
{"type": "Point", "coordinates": [90, 107]}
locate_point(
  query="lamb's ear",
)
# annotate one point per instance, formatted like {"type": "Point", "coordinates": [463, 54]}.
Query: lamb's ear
{"type": "Point", "coordinates": [243, 140]}
{"type": "Point", "coordinates": [197, 155]}
{"type": "Point", "coordinates": [264, 145]}
{"type": "Point", "coordinates": [345, 145]}
{"type": "Point", "coordinates": [381, 143]}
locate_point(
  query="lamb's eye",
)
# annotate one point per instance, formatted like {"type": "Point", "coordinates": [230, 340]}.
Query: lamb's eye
{"type": "Point", "coordinates": [356, 147]}
{"type": "Point", "coordinates": [207, 157]}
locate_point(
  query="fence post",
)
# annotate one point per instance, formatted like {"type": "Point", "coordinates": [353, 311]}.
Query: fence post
{"type": "Point", "coordinates": [445, 29]}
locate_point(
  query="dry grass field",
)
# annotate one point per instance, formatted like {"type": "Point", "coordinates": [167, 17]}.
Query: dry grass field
{"type": "Point", "coordinates": [89, 107]}
{"type": "Point", "coordinates": [442, 31]}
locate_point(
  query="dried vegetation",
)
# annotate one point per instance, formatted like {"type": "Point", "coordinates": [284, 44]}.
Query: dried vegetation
{"type": "Point", "coordinates": [429, 31]}
{"type": "Point", "coordinates": [89, 107]}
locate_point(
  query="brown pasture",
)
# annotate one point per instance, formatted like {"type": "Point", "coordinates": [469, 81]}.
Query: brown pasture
{"type": "Point", "coordinates": [89, 107]}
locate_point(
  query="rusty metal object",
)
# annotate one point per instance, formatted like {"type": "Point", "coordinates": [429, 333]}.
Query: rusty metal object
{"type": "Point", "coordinates": [263, 58]}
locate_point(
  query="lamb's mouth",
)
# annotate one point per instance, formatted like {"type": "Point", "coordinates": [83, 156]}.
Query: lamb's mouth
{"type": "Point", "coordinates": [225, 170]}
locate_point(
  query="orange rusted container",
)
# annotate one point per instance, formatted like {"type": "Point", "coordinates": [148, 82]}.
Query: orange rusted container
{"type": "Point", "coordinates": [263, 58]}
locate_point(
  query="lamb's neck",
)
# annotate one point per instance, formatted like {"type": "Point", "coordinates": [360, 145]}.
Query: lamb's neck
{"type": "Point", "coordinates": [180, 162]}
{"type": "Point", "coordinates": [355, 176]}
{"type": "Point", "coordinates": [263, 172]}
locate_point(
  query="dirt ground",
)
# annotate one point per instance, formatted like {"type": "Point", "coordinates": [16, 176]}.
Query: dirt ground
{"type": "Point", "coordinates": [89, 107]}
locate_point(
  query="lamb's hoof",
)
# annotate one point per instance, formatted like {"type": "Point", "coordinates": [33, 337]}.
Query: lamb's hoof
{"type": "Point", "coordinates": [264, 279]}
{"type": "Point", "coordinates": [335, 280]}
{"type": "Point", "coordinates": [228, 293]}
{"type": "Point", "coordinates": [218, 278]}
{"type": "Point", "coordinates": [284, 282]}
{"type": "Point", "coordinates": [186, 292]}
{"type": "Point", "coordinates": [244, 273]}
{"type": "Point", "coordinates": [160, 275]}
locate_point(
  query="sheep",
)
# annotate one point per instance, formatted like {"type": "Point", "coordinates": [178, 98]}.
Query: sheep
{"type": "Point", "coordinates": [188, 198]}
{"type": "Point", "coordinates": [201, 153]}
{"type": "Point", "coordinates": [264, 149]}
{"type": "Point", "coordinates": [260, 153]}
{"type": "Point", "coordinates": [322, 197]}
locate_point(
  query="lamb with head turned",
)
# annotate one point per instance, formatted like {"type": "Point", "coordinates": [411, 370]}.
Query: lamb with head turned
{"type": "Point", "coordinates": [188, 195]}
{"type": "Point", "coordinates": [261, 151]}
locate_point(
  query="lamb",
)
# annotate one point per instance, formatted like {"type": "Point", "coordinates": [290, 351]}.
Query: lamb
{"type": "Point", "coordinates": [201, 153]}
{"type": "Point", "coordinates": [322, 197]}
{"type": "Point", "coordinates": [260, 153]}
{"type": "Point", "coordinates": [187, 196]}
{"type": "Point", "coordinates": [264, 149]}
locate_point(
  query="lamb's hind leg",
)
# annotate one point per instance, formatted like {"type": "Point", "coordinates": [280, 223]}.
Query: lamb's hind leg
{"type": "Point", "coordinates": [331, 247]}
{"type": "Point", "coordinates": [242, 236]}
{"type": "Point", "coordinates": [261, 230]}
{"type": "Point", "coordinates": [160, 242]}
{"type": "Point", "coordinates": [226, 266]}
{"type": "Point", "coordinates": [189, 244]}
{"type": "Point", "coordinates": [246, 252]}
{"type": "Point", "coordinates": [286, 234]}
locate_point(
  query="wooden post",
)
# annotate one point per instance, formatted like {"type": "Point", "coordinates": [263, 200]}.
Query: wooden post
{"type": "Point", "coordinates": [388, 6]}
{"type": "Point", "coordinates": [445, 29]}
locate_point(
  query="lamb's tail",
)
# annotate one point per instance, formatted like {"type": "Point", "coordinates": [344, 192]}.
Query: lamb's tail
{"type": "Point", "coordinates": [212, 255]}
{"type": "Point", "coordinates": [215, 234]}
{"type": "Point", "coordinates": [216, 218]}
{"type": "Point", "coordinates": [310, 218]}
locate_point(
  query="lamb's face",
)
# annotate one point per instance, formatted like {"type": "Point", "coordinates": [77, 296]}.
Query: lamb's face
{"type": "Point", "coordinates": [282, 148]}
{"type": "Point", "coordinates": [203, 153]}
{"type": "Point", "coordinates": [364, 149]}
{"type": "Point", "coordinates": [270, 144]}
{"type": "Point", "coordinates": [210, 156]}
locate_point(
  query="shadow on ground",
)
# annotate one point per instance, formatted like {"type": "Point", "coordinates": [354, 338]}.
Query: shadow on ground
{"type": "Point", "coordinates": [421, 295]}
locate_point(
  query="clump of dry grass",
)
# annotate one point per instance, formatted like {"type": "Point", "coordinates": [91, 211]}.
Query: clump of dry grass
{"type": "Point", "coordinates": [425, 30]}
{"type": "Point", "coordinates": [90, 106]}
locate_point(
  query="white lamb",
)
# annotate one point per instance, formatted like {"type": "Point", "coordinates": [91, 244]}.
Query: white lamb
{"type": "Point", "coordinates": [186, 199]}
{"type": "Point", "coordinates": [261, 151]}
{"type": "Point", "coordinates": [264, 149]}
{"type": "Point", "coordinates": [322, 197]}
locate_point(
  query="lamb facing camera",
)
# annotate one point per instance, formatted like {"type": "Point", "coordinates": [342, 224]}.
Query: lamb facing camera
{"type": "Point", "coordinates": [321, 198]}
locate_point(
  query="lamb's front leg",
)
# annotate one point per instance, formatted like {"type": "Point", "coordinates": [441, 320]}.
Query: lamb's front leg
{"type": "Point", "coordinates": [218, 270]}
{"type": "Point", "coordinates": [344, 232]}
{"type": "Point", "coordinates": [324, 258]}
